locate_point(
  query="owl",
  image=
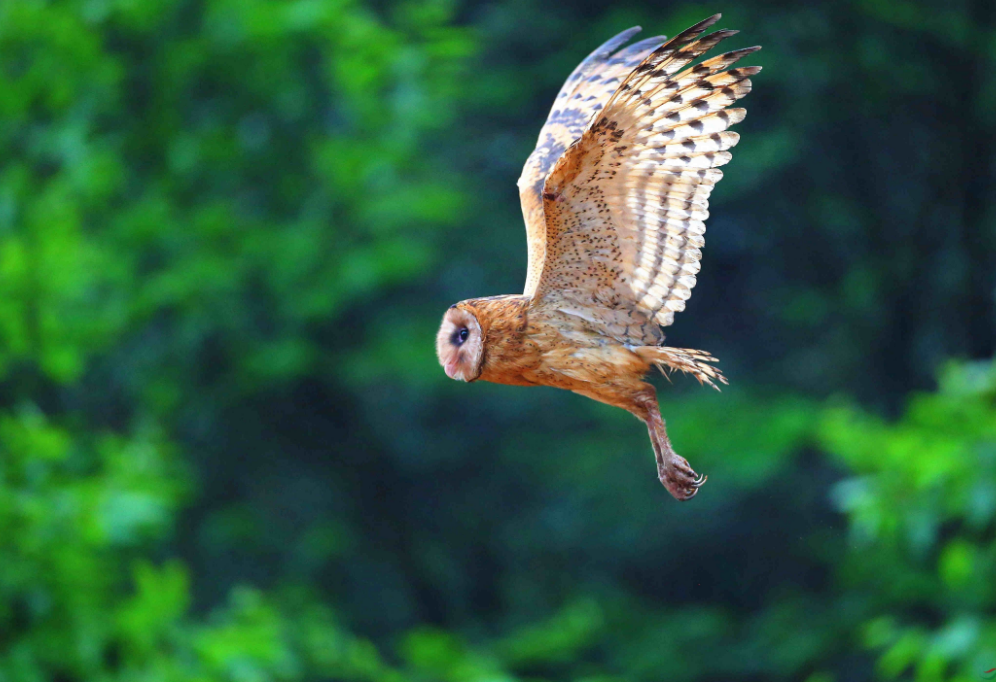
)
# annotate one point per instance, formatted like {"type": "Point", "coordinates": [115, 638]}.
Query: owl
{"type": "Point", "coordinates": [614, 197]}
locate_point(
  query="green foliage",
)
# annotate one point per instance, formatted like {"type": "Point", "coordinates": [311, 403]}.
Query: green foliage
{"type": "Point", "coordinates": [182, 177]}
{"type": "Point", "coordinates": [922, 510]}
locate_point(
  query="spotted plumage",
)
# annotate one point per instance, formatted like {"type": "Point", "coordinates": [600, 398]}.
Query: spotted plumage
{"type": "Point", "coordinates": [615, 198]}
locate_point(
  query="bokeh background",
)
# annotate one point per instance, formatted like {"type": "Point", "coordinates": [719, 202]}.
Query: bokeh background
{"type": "Point", "coordinates": [229, 228]}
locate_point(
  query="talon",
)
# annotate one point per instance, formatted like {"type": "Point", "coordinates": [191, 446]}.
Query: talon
{"type": "Point", "coordinates": [681, 480]}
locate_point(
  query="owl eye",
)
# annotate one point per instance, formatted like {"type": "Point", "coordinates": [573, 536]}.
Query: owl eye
{"type": "Point", "coordinates": [461, 336]}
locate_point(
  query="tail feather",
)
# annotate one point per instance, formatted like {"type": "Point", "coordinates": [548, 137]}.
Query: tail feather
{"type": "Point", "coordinates": [688, 360]}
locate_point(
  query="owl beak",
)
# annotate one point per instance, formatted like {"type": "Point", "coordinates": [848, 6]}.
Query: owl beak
{"type": "Point", "coordinates": [451, 370]}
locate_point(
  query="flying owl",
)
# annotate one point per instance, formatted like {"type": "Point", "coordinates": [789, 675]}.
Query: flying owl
{"type": "Point", "coordinates": [614, 198]}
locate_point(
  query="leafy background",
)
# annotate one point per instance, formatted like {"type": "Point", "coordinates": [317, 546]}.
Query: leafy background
{"type": "Point", "coordinates": [228, 229]}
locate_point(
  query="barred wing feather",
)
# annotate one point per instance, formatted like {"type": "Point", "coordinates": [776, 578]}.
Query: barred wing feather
{"type": "Point", "coordinates": [584, 93]}
{"type": "Point", "coordinates": [624, 207]}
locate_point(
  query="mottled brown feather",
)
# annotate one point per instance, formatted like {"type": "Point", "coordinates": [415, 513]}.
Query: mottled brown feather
{"type": "Point", "coordinates": [624, 207]}
{"type": "Point", "coordinates": [583, 94]}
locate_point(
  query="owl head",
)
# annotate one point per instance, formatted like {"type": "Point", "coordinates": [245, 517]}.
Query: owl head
{"type": "Point", "coordinates": [460, 344]}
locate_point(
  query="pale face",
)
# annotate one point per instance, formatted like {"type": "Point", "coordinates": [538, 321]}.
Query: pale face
{"type": "Point", "coordinates": [459, 345]}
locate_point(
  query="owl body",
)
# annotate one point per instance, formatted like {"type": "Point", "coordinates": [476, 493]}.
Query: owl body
{"type": "Point", "coordinates": [551, 348]}
{"type": "Point", "coordinates": [614, 197]}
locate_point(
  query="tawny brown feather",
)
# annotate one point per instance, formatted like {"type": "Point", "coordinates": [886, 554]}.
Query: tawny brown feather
{"type": "Point", "coordinates": [614, 197]}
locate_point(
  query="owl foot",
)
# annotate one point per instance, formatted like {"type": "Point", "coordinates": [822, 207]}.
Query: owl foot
{"type": "Point", "coordinates": [673, 470]}
{"type": "Point", "coordinates": [678, 477]}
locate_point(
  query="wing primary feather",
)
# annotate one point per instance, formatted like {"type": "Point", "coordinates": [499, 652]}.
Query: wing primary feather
{"type": "Point", "coordinates": [670, 47]}
{"type": "Point", "coordinates": [625, 205]}
{"type": "Point", "coordinates": [671, 62]}
{"type": "Point", "coordinates": [685, 78]}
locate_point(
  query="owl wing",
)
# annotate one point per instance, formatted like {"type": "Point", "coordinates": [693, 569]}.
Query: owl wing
{"type": "Point", "coordinates": [584, 92]}
{"type": "Point", "coordinates": [624, 206]}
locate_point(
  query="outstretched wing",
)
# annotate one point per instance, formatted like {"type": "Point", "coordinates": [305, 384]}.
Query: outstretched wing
{"type": "Point", "coordinates": [624, 206]}
{"type": "Point", "coordinates": [584, 92]}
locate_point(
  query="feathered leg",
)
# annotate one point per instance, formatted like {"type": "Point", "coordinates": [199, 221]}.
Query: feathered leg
{"type": "Point", "coordinates": [641, 401]}
{"type": "Point", "coordinates": [673, 470]}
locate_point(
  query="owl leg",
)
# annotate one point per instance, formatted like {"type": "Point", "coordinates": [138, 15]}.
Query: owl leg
{"type": "Point", "coordinates": [640, 400]}
{"type": "Point", "coordinates": [673, 470]}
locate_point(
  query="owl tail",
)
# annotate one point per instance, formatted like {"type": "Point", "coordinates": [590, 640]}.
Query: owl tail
{"type": "Point", "coordinates": [694, 362]}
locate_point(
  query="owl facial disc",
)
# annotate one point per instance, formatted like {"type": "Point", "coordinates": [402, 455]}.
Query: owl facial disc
{"type": "Point", "coordinates": [459, 345]}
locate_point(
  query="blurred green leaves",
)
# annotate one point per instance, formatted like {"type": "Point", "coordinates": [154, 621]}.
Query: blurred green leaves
{"type": "Point", "coordinates": [922, 509]}
{"type": "Point", "coordinates": [74, 512]}
{"type": "Point", "coordinates": [179, 176]}
{"type": "Point", "coordinates": [155, 183]}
